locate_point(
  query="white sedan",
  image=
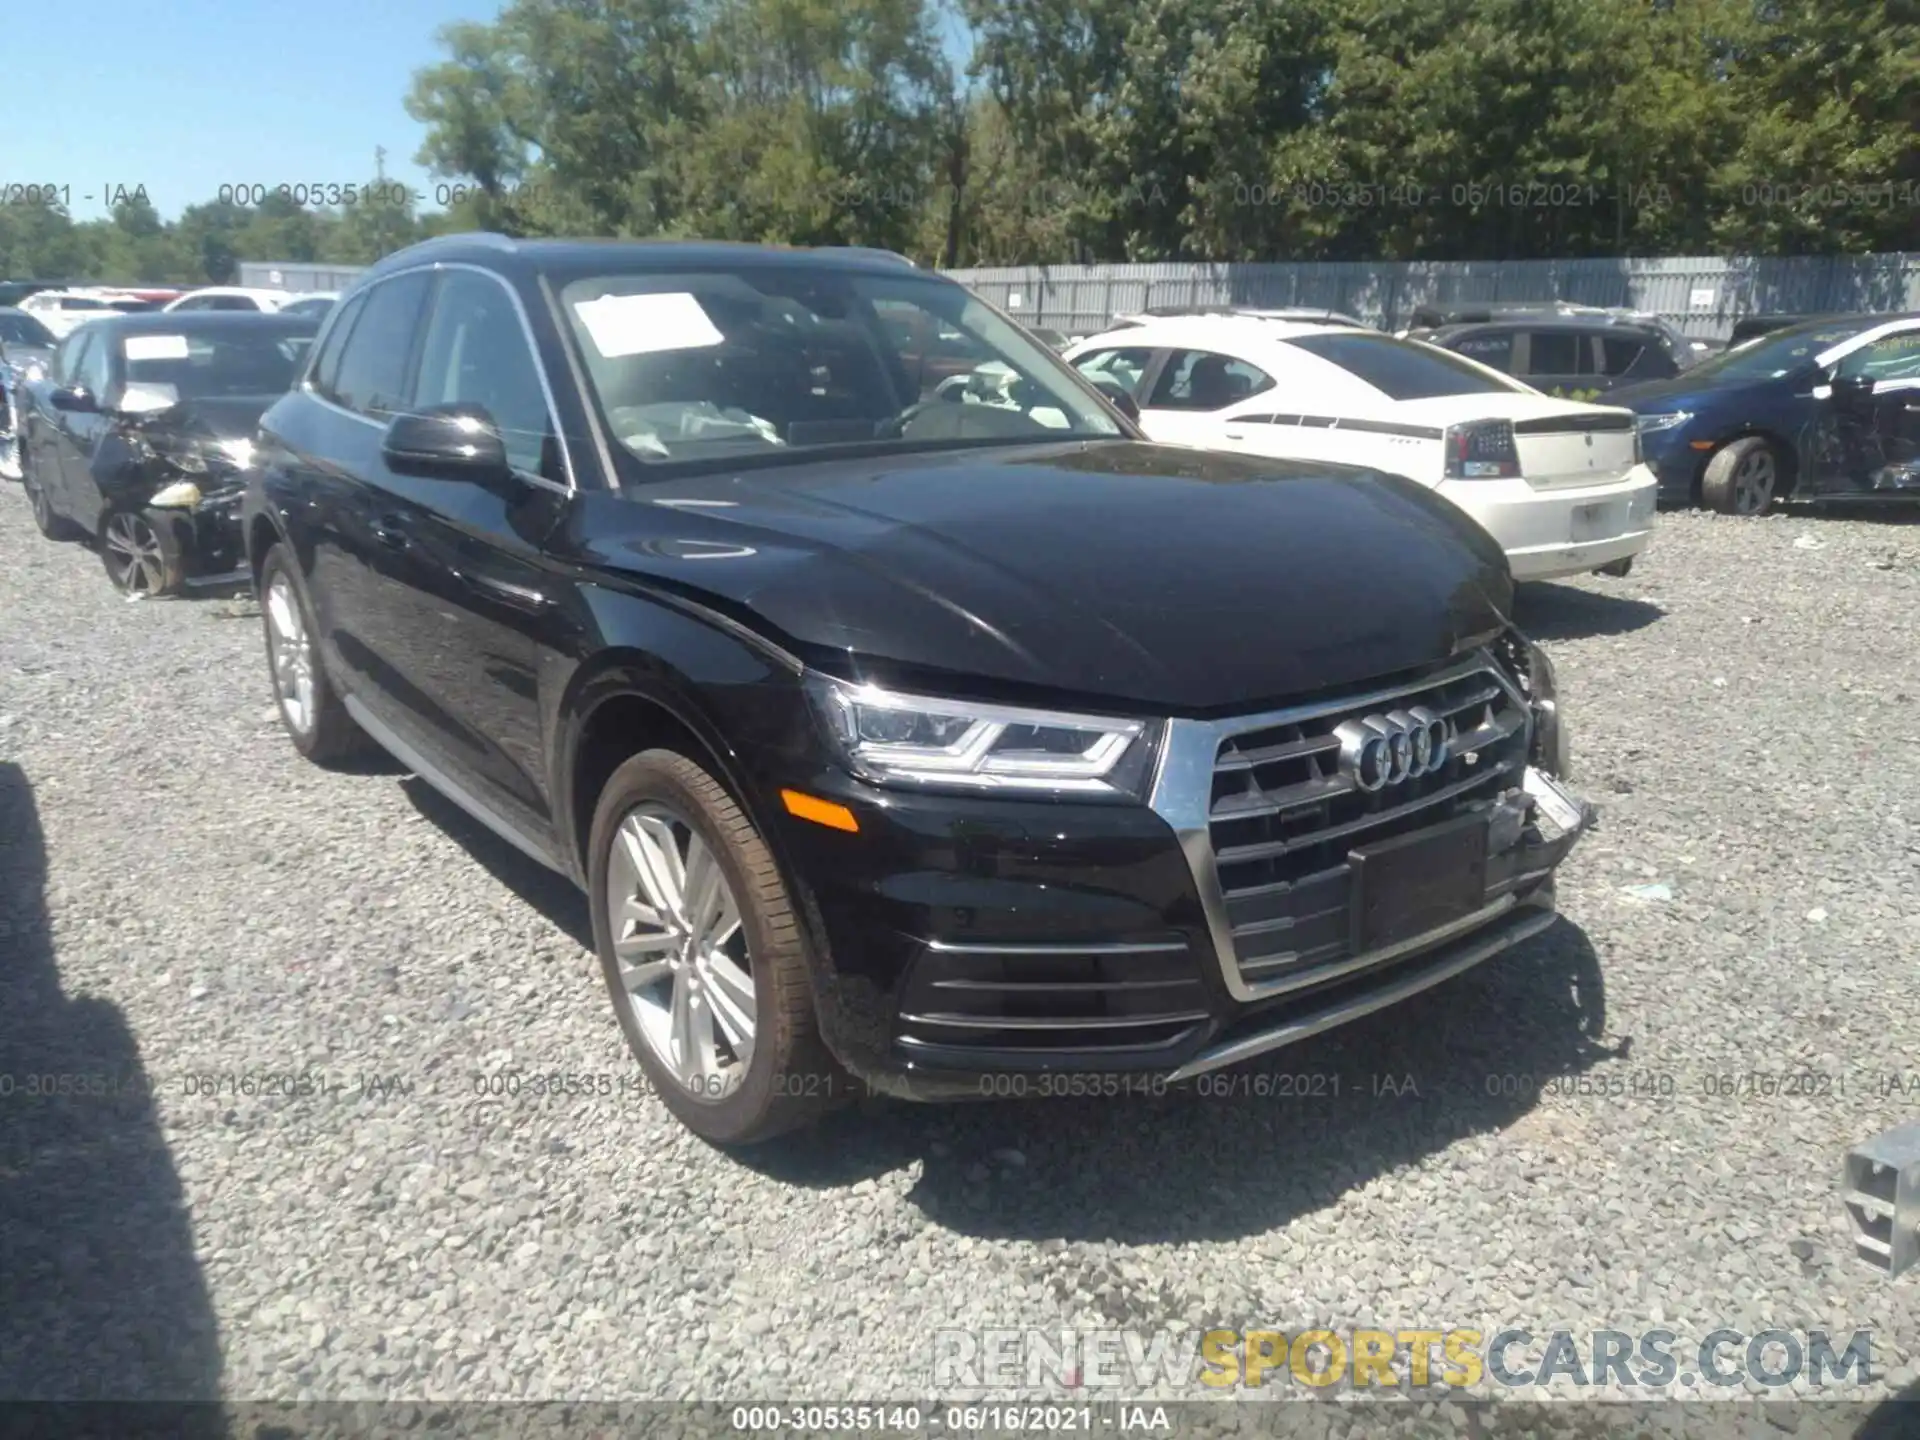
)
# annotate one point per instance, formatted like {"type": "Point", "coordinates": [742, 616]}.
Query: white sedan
{"type": "Point", "coordinates": [1560, 485]}
{"type": "Point", "coordinates": [232, 297]}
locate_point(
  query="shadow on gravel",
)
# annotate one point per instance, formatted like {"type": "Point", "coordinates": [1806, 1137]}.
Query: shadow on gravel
{"type": "Point", "coordinates": [1243, 1152]}
{"type": "Point", "coordinates": [1895, 1418]}
{"type": "Point", "coordinates": [554, 896]}
{"type": "Point", "coordinates": [1565, 612]}
{"type": "Point", "coordinates": [101, 1295]}
{"type": "Point", "coordinates": [1903, 511]}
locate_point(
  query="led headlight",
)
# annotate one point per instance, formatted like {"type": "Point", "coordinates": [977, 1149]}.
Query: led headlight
{"type": "Point", "coordinates": [182, 495]}
{"type": "Point", "coordinates": [1551, 749]}
{"type": "Point", "coordinates": [913, 739]}
{"type": "Point", "coordinates": [1650, 424]}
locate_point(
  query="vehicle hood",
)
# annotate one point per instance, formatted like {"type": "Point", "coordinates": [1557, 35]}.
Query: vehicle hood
{"type": "Point", "coordinates": [1160, 579]}
{"type": "Point", "coordinates": [1684, 392]}
{"type": "Point", "coordinates": [228, 417]}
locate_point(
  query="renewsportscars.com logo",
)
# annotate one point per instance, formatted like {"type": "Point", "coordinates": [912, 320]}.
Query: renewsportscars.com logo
{"type": "Point", "coordinates": [1212, 1361]}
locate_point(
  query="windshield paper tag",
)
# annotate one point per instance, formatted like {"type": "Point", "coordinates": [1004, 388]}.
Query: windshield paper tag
{"type": "Point", "coordinates": [156, 347]}
{"type": "Point", "coordinates": [644, 324]}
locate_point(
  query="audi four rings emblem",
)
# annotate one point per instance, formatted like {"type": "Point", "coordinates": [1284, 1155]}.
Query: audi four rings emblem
{"type": "Point", "coordinates": [1401, 745]}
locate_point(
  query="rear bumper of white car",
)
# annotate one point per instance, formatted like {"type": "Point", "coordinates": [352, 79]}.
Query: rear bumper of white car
{"type": "Point", "coordinates": [1567, 531]}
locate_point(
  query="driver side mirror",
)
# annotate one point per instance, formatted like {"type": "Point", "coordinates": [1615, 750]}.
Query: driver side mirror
{"type": "Point", "coordinates": [1121, 398]}
{"type": "Point", "coordinates": [448, 443]}
{"type": "Point", "coordinates": [74, 402]}
{"type": "Point", "coordinates": [1851, 389]}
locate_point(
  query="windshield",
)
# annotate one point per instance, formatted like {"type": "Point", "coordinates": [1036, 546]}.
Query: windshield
{"type": "Point", "coordinates": [19, 328]}
{"type": "Point", "coordinates": [1404, 369]}
{"type": "Point", "coordinates": [1780, 352]}
{"type": "Point", "coordinates": [724, 363]}
{"type": "Point", "coordinates": [208, 366]}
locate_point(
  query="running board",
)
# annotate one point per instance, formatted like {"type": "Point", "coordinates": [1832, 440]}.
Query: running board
{"type": "Point", "coordinates": [449, 787]}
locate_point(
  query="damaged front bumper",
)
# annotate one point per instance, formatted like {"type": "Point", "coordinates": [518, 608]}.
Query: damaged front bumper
{"type": "Point", "coordinates": [206, 521]}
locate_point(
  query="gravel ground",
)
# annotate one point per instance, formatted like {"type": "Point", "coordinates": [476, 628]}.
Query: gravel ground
{"type": "Point", "coordinates": [184, 901]}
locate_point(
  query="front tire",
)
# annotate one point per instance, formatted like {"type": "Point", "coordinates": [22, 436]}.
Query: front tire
{"type": "Point", "coordinates": [1743, 478]}
{"type": "Point", "coordinates": [141, 556]}
{"type": "Point", "coordinates": [703, 955]}
{"type": "Point", "coordinates": [310, 709]}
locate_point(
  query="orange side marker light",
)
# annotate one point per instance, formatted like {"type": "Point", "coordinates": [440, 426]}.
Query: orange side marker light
{"type": "Point", "coordinates": [821, 812]}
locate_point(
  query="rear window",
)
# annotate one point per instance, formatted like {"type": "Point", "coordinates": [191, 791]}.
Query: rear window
{"type": "Point", "coordinates": [1403, 369]}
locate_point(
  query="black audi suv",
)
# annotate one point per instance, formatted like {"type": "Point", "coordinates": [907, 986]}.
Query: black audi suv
{"type": "Point", "coordinates": [943, 741]}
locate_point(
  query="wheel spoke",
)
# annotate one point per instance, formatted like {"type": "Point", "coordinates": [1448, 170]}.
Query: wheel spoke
{"type": "Point", "coordinates": [643, 977]}
{"type": "Point", "coordinates": [730, 989]}
{"type": "Point", "coordinates": [692, 1029]}
{"type": "Point", "coordinates": [649, 943]}
{"type": "Point", "coordinates": [725, 924]}
{"type": "Point", "coordinates": [704, 883]}
{"type": "Point", "coordinates": [279, 611]}
{"type": "Point", "coordinates": [636, 911]}
{"type": "Point", "coordinates": [656, 861]}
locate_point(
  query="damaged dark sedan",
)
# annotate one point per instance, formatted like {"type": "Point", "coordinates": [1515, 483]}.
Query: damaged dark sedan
{"type": "Point", "coordinates": [140, 433]}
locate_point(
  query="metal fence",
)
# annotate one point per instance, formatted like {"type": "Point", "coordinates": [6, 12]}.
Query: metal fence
{"type": "Point", "coordinates": [296, 275]}
{"type": "Point", "coordinates": [1702, 295]}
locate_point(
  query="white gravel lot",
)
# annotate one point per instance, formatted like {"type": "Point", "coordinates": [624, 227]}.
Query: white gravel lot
{"type": "Point", "coordinates": [183, 899]}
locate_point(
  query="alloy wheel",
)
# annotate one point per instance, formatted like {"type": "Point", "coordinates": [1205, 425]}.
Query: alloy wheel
{"type": "Point", "coordinates": [134, 559]}
{"type": "Point", "coordinates": [42, 507]}
{"type": "Point", "coordinates": [1753, 483]}
{"type": "Point", "coordinates": [291, 655]}
{"type": "Point", "coordinates": [682, 954]}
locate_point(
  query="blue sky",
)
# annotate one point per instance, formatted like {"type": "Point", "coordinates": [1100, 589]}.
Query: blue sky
{"type": "Point", "coordinates": [189, 95]}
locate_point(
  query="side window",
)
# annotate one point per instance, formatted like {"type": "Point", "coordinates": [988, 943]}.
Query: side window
{"type": "Point", "coordinates": [1891, 357]}
{"type": "Point", "coordinates": [1491, 347]}
{"type": "Point", "coordinates": [476, 353]}
{"type": "Point", "coordinates": [96, 367]}
{"type": "Point", "coordinates": [1123, 367]}
{"type": "Point", "coordinates": [1201, 380]}
{"type": "Point", "coordinates": [326, 365]}
{"type": "Point", "coordinates": [232, 302]}
{"type": "Point", "coordinates": [1619, 352]}
{"type": "Point", "coordinates": [191, 302]}
{"type": "Point", "coordinates": [1640, 357]}
{"type": "Point", "coordinates": [1556, 352]}
{"type": "Point", "coordinates": [372, 376]}
{"type": "Point", "coordinates": [67, 359]}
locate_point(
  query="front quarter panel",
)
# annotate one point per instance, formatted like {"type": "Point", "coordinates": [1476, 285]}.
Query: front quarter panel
{"type": "Point", "coordinates": [740, 696]}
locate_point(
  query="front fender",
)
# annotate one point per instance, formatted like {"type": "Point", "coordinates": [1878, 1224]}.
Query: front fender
{"type": "Point", "coordinates": [738, 695]}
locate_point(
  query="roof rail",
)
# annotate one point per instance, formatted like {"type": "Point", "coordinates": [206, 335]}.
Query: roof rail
{"type": "Point", "coordinates": [872, 250]}
{"type": "Point", "coordinates": [493, 240]}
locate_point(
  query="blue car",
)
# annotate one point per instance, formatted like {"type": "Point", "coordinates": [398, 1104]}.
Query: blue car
{"type": "Point", "coordinates": [1827, 409]}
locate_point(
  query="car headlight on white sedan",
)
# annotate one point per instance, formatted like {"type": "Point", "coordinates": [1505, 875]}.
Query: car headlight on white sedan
{"type": "Point", "coordinates": [892, 738]}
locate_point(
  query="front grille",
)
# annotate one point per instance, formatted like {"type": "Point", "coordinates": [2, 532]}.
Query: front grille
{"type": "Point", "coordinates": [1051, 1001]}
{"type": "Point", "coordinates": [1283, 817]}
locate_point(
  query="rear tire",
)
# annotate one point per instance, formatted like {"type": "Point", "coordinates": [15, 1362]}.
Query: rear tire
{"type": "Point", "coordinates": [673, 964]}
{"type": "Point", "coordinates": [311, 710]}
{"type": "Point", "coordinates": [48, 521]}
{"type": "Point", "coordinates": [1743, 477]}
{"type": "Point", "coordinates": [141, 553]}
